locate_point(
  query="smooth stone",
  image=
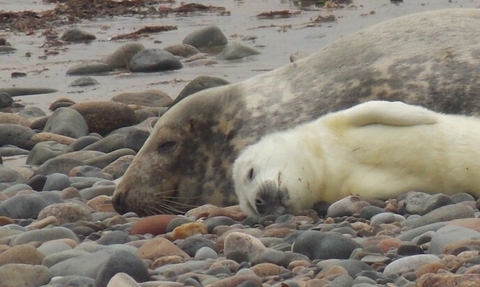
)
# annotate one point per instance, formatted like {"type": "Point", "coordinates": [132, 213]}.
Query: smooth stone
{"type": "Point", "coordinates": [8, 175]}
{"type": "Point", "coordinates": [461, 197]}
{"type": "Point", "coordinates": [414, 232]}
{"type": "Point", "coordinates": [6, 49]}
{"type": "Point", "coordinates": [86, 265]}
{"type": "Point", "coordinates": [104, 160]}
{"type": "Point", "coordinates": [279, 258]}
{"type": "Point", "coordinates": [121, 262]}
{"type": "Point", "coordinates": [61, 103]}
{"type": "Point", "coordinates": [58, 165]}
{"type": "Point", "coordinates": [19, 91]}
{"type": "Point", "coordinates": [110, 143]}
{"type": "Point", "coordinates": [17, 135]}
{"type": "Point", "coordinates": [68, 122]}
{"type": "Point", "coordinates": [89, 171]}
{"type": "Point", "coordinates": [81, 155]}
{"type": "Point", "coordinates": [215, 221]}
{"type": "Point", "coordinates": [385, 218]}
{"type": "Point", "coordinates": [354, 267]}
{"type": "Point", "coordinates": [448, 279]}
{"type": "Point", "coordinates": [89, 68]}
{"type": "Point", "coordinates": [135, 136]}
{"type": "Point", "coordinates": [155, 224]}
{"type": "Point", "coordinates": [192, 244]}
{"type": "Point", "coordinates": [16, 119]}
{"type": "Point", "coordinates": [6, 100]}
{"type": "Point", "coordinates": [28, 205]}
{"type": "Point", "coordinates": [182, 50]}
{"type": "Point", "coordinates": [113, 237]}
{"type": "Point", "coordinates": [25, 254]}
{"type": "Point", "coordinates": [148, 98]}
{"type": "Point", "coordinates": [24, 275]}
{"type": "Point", "coordinates": [77, 35]}
{"type": "Point", "coordinates": [105, 117]}
{"type": "Point", "coordinates": [342, 281]}
{"type": "Point", "coordinates": [72, 281]}
{"type": "Point", "coordinates": [205, 253]}
{"type": "Point", "coordinates": [46, 150]}
{"type": "Point", "coordinates": [210, 36]}
{"type": "Point", "coordinates": [322, 245]}
{"type": "Point", "coordinates": [43, 235]}
{"type": "Point", "coordinates": [13, 189]}
{"type": "Point", "coordinates": [56, 181]}
{"type": "Point", "coordinates": [118, 168]}
{"type": "Point", "coordinates": [159, 247]}
{"type": "Point", "coordinates": [67, 212]}
{"type": "Point", "coordinates": [369, 211]}
{"type": "Point", "coordinates": [84, 82]}
{"type": "Point", "coordinates": [347, 206]}
{"type": "Point", "coordinates": [154, 60]}
{"type": "Point", "coordinates": [53, 247]}
{"type": "Point", "coordinates": [121, 57]}
{"type": "Point", "coordinates": [44, 136]}
{"type": "Point", "coordinates": [94, 191]}
{"type": "Point", "coordinates": [236, 51]}
{"type": "Point", "coordinates": [405, 264]}
{"type": "Point", "coordinates": [82, 142]}
{"type": "Point", "coordinates": [11, 150]}
{"type": "Point", "coordinates": [240, 247]}
{"type": "Point", "coordinates": [83, 183]}
{"type": "Point", "coordinates": [198, 84]}
{"type": "Point", "coordinates": [55, 258]}
{"type": "Point", "coordinates": [450, 234]}
{"type": "Point", "coordinates": [445, 213]}
{"type": "Point", "coordinates": [122, 280]}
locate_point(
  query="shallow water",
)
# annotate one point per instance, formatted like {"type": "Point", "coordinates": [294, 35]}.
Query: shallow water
{"type": "Point", "coordinates": [275, 43]}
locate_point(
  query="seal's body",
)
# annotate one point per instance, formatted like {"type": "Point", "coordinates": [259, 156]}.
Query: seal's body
{"type": "Point", "coordinates": [429, 59]}
{"type": "Point", "coordinates": [376, 149]}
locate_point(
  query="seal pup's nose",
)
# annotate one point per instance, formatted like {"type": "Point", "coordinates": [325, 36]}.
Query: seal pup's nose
{"type": "Point", "coordinates": [267, 198]}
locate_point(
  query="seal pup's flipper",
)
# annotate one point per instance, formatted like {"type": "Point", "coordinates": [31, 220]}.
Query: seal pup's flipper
{"type": "Point", "coordinates": [389, 113]}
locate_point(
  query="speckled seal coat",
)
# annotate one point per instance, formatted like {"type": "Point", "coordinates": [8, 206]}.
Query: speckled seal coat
{"type": "Point", "coordinates": [377, 150]}
{"type": "Point", "coordinates": [430, 59]}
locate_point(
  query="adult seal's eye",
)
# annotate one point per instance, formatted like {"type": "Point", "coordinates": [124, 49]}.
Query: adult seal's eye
{"type": "Point", "coordinates": [167, 147]}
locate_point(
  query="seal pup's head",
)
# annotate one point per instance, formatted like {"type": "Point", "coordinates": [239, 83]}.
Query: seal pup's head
{"type": "Point", "coordinates": [276, 176]}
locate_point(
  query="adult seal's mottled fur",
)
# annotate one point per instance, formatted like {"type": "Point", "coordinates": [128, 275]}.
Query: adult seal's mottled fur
{"type": "Point", "coordinates": [377, 150]}
{"type": "Point", "coordinates": [430, 59]}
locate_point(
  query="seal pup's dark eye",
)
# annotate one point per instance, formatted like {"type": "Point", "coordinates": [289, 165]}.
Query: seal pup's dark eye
{"type": "Point", "coordinates": [250, 174]}
{"type": "Point", "coordinates": [167, 147]}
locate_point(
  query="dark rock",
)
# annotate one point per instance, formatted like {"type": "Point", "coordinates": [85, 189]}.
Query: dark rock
{"type": "Point", "coordinates": [323, 245]}
{"type": "Point", "coordinates": [77, 35]}
{"type": "Point", "coordinates": [123, 54]}
{"type": "Point", "coordinates": [154, 60]}
{"type": "Point", "coordinates": [198, 84]}
{"type": "Point", "coordinates": [121, 261]}
{"type": "Point", "coordinates": [83, 82]}
{"type": "Point", "coordinates": [46, 150]}
{"type": "Point", "coordinates": [90, 68]}
{"type": "Point", "coordinates": [206, 37]}
{"type": "Point", "coordinates": [236, 51]}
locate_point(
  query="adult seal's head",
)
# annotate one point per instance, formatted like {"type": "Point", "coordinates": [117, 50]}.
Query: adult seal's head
{"type": "Point", "coordinates": [429, 59]}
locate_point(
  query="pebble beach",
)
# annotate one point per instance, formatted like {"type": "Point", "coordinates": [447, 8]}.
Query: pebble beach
{"type": "Point", "coordinates": [81, 85]}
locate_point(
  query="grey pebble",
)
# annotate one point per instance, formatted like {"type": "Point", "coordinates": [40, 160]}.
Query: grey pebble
{"type": "Point", "coordinates": [58, 165]}
{"type": "Point", "coordinates": [43, 235]}
{"type": "Point", "coordinates": [154, 60]}
{"type": "Point", "coordinates": [56, 181]}
{"type": "Point", "coordinates": [46, 150]}
{"type": "Point", "coordinates": [236, 51]}
{"type": "Point", "coordinates": [450, 234]}
{"type": "Point", "coordinates": [77, 35]}
{"type": "Point", "coordinates": [121, 261]}
{"type": "Point", "coordinates": [210, 36]}
{"type": "Point", "coordinates": [84, 82]}
{"type": "Point", "coordinates": [90, 68]}
{"type": "Point", "coordinates": [28, 205]}
{"type": "Point", "coordinates": [24, 275]}
{"type": "Point", "coordinates": [17, 135]}
{"type": "Point", "coordinates": [323, 245]}
{"type": "Point", "coordinates": [68, 122]}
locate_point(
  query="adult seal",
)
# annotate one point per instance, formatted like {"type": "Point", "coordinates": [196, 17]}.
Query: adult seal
{"type": "Point", "coordinates": [430, 59]}
{"type": "Point", "coordinates": [377, 150]}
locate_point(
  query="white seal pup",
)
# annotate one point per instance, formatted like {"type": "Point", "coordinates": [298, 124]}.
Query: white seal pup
{"type": "Point", "coordinates": [430, 59]}
{"type": "Point", "coordinates": [377, 149]}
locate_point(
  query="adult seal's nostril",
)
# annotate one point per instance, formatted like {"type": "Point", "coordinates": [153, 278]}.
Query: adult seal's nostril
{"type": "Point", "coordinates": [118, 202]}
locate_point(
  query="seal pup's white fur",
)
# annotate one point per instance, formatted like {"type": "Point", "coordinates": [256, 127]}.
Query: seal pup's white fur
{"type": "Point", "coordinates": [376, 149]}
